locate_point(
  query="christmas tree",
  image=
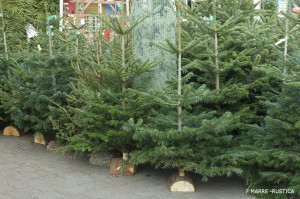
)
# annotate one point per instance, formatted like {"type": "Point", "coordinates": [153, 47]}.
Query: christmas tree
{"type": "Point", "coordinates": [268, 151]}
{"type": "Point", "coordinates": [197, 135]}
{"type": "Point", "coordinates": [227, 79]}
{"type": "Point", "coordinates": [35, 78]}
{"type": "Point", "coordinates": [160, 25]}
{"type": "Point", "coordinates": [103, 106]}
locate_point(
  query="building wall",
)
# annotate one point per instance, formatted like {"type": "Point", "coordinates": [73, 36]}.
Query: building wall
{"type": "Point", "coordinates": [92, 8]}
{"type": "Point", "coordinates": [71, 6]}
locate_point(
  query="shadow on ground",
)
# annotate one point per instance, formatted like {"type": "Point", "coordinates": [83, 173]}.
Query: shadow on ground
{"type": "Point", "coordinates": [28, 171]}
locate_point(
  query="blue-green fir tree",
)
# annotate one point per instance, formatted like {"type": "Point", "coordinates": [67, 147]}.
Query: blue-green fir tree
{"type": "Point", "coordinates": [28, 88]}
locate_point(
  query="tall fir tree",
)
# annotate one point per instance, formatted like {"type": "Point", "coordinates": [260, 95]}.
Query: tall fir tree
{"type": "Point", "coordinates": [14, 16]}
{"type": "Point", "coordinates": [160, 25]}
{"type": "Point", "coordinates": [197, 135]}
{"type": "Point", "coordinates": [270, 152]}
{"type": "Point", "coordinates": [239, 69]}
{"type": "Point", "coordinates": [103, 106]}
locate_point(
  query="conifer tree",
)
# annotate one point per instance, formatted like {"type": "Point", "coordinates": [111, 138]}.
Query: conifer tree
{"type": "Point", "coordinates": [193, 138]}
{"type": "Point", "coordinates": [27, 90]}
{"type": "Point", "coordinates": [17, 14]}
{"type": "Point", "coordinates": [247, 77]}
{"type": "Point", "coordinates": [156, 28]}
{"type": "Point", "coordinates": [103, 107]}
{"type": "Point", "coordinates": [270, 152]}
{"type": "Point", "coordinates": [14, 16]}
{"type": "Point", "coordinates": [279, 160]}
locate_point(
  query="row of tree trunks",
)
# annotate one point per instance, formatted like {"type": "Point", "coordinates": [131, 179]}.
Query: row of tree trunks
{"type": "Point", "coordinates": [118, 166]}
{"type": "Point", "coordinates": [13, 131]}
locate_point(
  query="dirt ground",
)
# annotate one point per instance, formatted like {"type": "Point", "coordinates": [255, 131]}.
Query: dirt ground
{"type": "Point", "coordinates": [29, 171]}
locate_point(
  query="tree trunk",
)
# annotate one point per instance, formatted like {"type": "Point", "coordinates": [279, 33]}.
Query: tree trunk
{"type": "Point", "coordinates": [125, 156]}
{"type": "Point", "coordinates": [216, 46]}
{"type": "Point", "coordinates": [179, 68]}
{"type": "Point", "coordinates": [119, 167]}
{"type": "Point", "coordinates": [181, 184]}
{"type": "Point", "coordinates": [11, 131]}
{"type": "Point", "coordinates": [39, 139]}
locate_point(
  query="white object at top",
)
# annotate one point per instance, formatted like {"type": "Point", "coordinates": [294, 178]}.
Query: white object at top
{"type": "Point", "coordinates": [30, 30]}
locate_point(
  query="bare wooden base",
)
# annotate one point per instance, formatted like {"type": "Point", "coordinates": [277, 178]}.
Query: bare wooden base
{"type": "Point", "coordinates": [181, 184]}
{"type": "Point", "coordinates": [39, 139]}
{"type": "Point", "coordinates": [11, 131]}
{"type": "Point", "coordinates": [101, 158]}
{"type": "Point", "coordinates": [117, 167]}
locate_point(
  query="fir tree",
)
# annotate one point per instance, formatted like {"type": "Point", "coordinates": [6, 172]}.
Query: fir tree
{"type": "Point", "coordinates": [103, 107]}
{"type": "Point", "coordinates": [17, 14]}
{"type": "Point", "coordinates": [156, 28]}
{"type": "Point", "coordinates": [247, 59]}
{"type": "Point", "coordinates": [268, 151]}
{"type": "Point", "coordinates": [28, 89]}
{"type": "Point", "coordinates": [273, 162]}
{"type": "Point", "coordinates": [231, 73]}
{"type": "Point", "coordinates": [193, 138]}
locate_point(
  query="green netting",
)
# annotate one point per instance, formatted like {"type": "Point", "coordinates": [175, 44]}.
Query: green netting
{"type": "Point", "coordinates": [159, 26]}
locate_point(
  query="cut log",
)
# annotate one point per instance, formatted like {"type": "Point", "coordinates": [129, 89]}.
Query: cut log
{"type": "Point", "coordinates": [53, 146]}
{"type": "Point", "coordinates": [11, 131]}
{"type": "Point", "coordinates": [39, 139]}
{"type": "Point", "coordinates": [181, 184]}
{"type": "Point", "coordinates": [101, 159]}
{"type": "Point", "coordinates": [125, 155]}
{"type": "Point", "coordinates": [118, 167]}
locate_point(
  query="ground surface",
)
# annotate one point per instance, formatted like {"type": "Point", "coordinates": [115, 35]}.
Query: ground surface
{"type": "Point", "coordinates": [28, 171]}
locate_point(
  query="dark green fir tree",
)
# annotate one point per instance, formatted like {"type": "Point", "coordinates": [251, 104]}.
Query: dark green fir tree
{"type": "Point", "coordinates": [268, 152]}
{"type": "Point", "coordinates": [194, 127]}
{"type": "Point", "coordinates": [34, 79]}
{"type": "Point", "coordinates": [103, 107]}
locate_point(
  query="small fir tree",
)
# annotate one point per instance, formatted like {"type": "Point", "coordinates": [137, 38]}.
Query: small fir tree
{"type": "Point", "coordinates": [28, 89]}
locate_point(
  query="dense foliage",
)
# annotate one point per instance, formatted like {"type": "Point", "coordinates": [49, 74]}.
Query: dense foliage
{"type": "Point", "coordinates": [232, 108]}
{"type": "Point", "coordinates": [103, 105]}
{"type": "Point", "coordinates": [34, 80]}
{"type": "Point", "coordinates": [160, 25]}
{"type": "Point", "coordinates": [18, 13]}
